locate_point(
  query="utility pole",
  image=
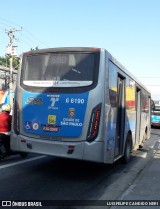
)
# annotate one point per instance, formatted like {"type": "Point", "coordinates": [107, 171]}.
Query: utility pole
{"type": "Point", "coordinates": [11, 53]}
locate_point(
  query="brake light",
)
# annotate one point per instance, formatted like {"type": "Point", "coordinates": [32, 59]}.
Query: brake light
{"type": "Point", "coordinates": [94, 124]}
{"type": "Point", "coordinates": [16, 118]}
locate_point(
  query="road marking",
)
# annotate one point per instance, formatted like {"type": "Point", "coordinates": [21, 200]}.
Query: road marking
{"type": "Point", "coordinates": [127, 192]}
{"type": "Point", "coordinates": [21, 162]}
{"type": "Point", "coordinates": [123, 195]}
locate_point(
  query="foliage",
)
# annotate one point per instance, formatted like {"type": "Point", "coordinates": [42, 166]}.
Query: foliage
{"type": "Point", "coordinates": [4, 61]}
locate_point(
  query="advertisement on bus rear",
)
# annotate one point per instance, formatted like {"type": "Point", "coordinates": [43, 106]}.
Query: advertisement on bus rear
{"type": "Point", "coordinates": [54, 114]}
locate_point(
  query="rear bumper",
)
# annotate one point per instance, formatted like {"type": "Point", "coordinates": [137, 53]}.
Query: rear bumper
{"type": "Point", "coordinates": [155, 124]}
{"type": "Point", "coordinates": [76, 150]}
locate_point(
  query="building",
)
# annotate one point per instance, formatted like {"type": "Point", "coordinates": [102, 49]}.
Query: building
{"type": "Point", "coordinates": [5, 78]}
{"type": "Point", "coordinates": [155, 91]}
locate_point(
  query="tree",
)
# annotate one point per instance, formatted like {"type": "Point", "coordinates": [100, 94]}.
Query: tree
{"type": "Point", "coordinates": [4, 61]}
{"type": "Point", "coordinates": [16, 62]}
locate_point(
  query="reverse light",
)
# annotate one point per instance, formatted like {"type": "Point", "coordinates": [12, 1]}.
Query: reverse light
{"type": "Point", "coordinates": [94, 124]}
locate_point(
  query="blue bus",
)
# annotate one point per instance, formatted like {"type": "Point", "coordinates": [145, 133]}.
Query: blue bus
{"type": "Point", "coordinates": [79, 103]}
{"type": "Point", "coordinates": [155, 115]}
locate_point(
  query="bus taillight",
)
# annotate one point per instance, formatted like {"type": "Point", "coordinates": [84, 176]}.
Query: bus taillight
{"type": "Point", "coordinates": [16, 118]}
{"type": "Point", "coordinates": [94, 124]}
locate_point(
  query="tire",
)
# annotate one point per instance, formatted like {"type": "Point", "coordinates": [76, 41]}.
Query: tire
{"type": "Point", "coordinates": [141, 145]}
{"type": "Point", "coordinates": [127, 150]}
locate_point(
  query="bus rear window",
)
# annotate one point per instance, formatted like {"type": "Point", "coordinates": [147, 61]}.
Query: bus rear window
{"type": "Point", "coordinates": [58, 69]}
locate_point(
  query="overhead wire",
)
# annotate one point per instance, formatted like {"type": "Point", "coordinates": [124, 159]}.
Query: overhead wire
{"type": "Point", "coordinates": [24, 41]}
{"type": "Point", "coordinates": [8, 21]}
{"type": "Point", "coordinates": [36, 38]}
{"type": "Point", "coordinates": [2, 23]}
{"type": "Point", "coordinates": [33, 40]}
{"type": "Point", "coordinates": [149, 77]}
{"type": "Point", "coordinates": [2, 27]}
{"type": "Point", "coordinates": [152, 85]}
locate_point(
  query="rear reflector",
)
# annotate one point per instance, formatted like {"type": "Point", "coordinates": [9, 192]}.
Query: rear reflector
{"type": "Point", "coordinates": [71, 147]}
{"type": "Point", "coordinates": [23, 140]}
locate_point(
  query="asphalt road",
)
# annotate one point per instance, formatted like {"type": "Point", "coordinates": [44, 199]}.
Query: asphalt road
{"type": "Point", "coordinates": [40, 177]}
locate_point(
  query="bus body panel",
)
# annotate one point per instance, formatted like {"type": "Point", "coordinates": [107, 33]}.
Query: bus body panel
{"type": "Point", "coordinates": [54, 115]}
{"type": "Point", "coordinates": [75, 150]}
{"type": "Point", "coordinates": [130, 109]}
{"type": "Point", "coordinates": [35, 142]}
{"type": "Point", "coordinates": [62, 123]}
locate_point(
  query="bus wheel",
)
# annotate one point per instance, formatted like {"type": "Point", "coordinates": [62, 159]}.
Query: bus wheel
{"type": "Point", "coordinates": [127, 149]}
{"type": "Point", "coordinates": [144, 138]}
{"type": "Point", "coordinates": [141, 145]}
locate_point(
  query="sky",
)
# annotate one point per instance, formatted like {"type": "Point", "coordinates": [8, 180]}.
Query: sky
{"type": "Point", "coordinates": [128, 29]}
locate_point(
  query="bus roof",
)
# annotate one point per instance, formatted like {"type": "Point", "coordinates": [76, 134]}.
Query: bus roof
{"type": "Point", "coordinates": [65, 49]}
